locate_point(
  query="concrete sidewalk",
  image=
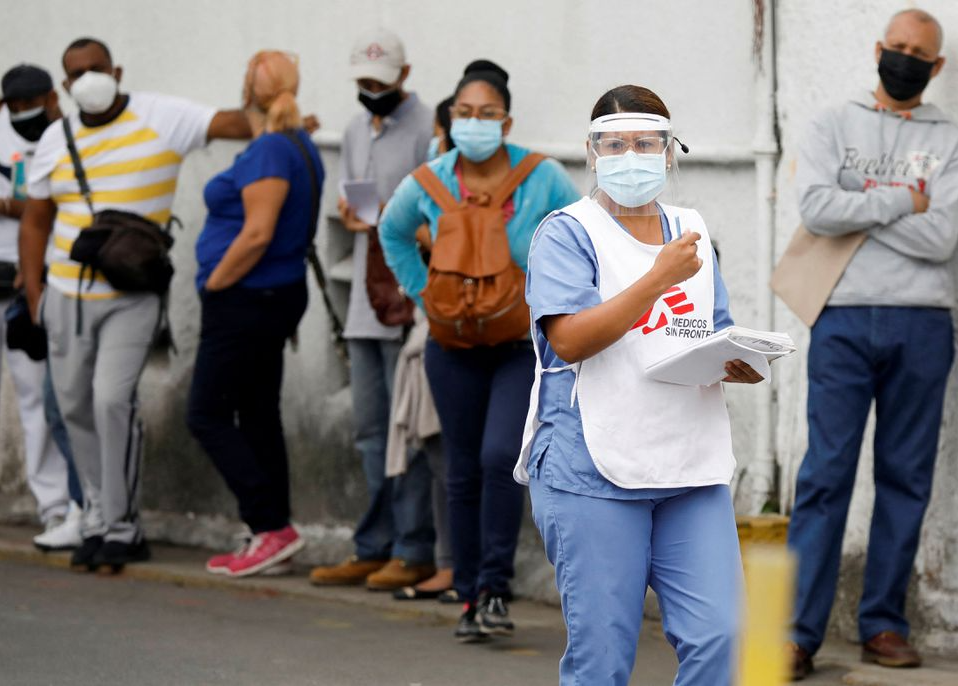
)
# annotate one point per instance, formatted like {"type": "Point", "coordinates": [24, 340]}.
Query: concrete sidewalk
{"type": "Point", "coordinates": [837, 663]}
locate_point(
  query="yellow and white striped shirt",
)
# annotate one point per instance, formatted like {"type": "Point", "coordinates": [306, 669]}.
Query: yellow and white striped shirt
{"type": "Point", "coordinates": [131, 164]}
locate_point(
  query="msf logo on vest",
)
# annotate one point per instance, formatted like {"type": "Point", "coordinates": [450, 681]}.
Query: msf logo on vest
{"type": "Point", "coordinates": [674, 300]}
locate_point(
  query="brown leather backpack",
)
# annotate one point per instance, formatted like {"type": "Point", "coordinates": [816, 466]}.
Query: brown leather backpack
{"type": "Point", "coordinates": [475, 292]}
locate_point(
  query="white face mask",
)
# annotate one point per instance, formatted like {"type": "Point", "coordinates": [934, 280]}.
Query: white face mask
{"type": "Point", "coordinates": [94, 92]}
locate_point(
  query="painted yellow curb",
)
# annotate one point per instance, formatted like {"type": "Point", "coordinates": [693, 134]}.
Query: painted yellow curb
{"type": "Point", "coordinates": [772, 529]}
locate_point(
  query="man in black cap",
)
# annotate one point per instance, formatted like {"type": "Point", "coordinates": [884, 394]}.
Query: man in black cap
{"type": "Point", "coordinates": [29, 105]}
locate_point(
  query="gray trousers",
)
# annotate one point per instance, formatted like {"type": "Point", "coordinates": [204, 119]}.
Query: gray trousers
{"type": "Point", "coordinates": [95, 374]}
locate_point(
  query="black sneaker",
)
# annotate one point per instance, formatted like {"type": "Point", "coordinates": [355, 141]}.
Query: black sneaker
{"type": "Point", "coordinates": [468, 630]}
{"type": "Point", "coordinates": [116, 554]}
{"type": "Point", "coordinates": [83, 556]}
{"type": "Point", "coordinates": [494, 615]}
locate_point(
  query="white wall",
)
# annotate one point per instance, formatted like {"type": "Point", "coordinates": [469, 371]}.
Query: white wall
{"type": "Point", "coordinates": [562, 54]}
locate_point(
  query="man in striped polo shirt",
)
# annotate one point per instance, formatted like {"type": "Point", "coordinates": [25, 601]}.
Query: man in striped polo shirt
{"type": "Point", "coordinates": [131, 146]}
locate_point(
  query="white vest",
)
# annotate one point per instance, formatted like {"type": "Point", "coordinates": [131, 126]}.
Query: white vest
{"type": "Point", "coordinates": [643, 433]}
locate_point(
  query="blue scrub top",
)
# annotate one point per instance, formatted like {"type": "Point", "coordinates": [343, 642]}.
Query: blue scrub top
{"type": "Point", "coordinates": [272, 155]}
{"type": "Point", "coordinates": [563, 278]}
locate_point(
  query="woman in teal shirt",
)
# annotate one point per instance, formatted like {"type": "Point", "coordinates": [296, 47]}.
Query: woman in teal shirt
{"type": "Point", "coordinates": [482, 392]}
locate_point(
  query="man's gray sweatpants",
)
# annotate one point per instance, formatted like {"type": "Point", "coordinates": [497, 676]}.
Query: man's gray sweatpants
{"type": "Point", "coordinates": [95, 374]}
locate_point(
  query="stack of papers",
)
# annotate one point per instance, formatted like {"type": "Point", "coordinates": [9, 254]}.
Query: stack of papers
{"type": "Point", "coordinates": [363, 197]}
{"type": "Point", "coordinates": [703, 363]}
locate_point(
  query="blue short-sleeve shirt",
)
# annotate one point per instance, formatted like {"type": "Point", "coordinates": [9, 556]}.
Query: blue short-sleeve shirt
{"type": "Point", "coordinates": [563, 278]}
{"type": "Point", "coordinates": [272, 155]}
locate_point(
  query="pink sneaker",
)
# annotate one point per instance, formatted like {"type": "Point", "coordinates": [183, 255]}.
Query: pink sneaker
{"type": "Point", "coordinates": [219, 564]}
{"type": "Point", "coordinates": [265, 550]}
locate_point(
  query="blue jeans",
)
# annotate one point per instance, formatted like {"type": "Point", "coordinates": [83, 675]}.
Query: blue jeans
{"type": "Point", "coordinates": [482, 397]}
{"type": "Point", "coordinates": [901, 357]}
{"type": "Point", "coordinates": [58, 430]}
{"type": "Point", "coordinates": [606, 552]}
{"type": "Point", "coordinates": [398, 521]}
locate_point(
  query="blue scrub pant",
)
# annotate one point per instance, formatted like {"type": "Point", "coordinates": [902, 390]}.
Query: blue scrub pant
{"type": "Point", "coordinates": [900, 357]}
{"type": "Point", "coordinates": [607, 552]}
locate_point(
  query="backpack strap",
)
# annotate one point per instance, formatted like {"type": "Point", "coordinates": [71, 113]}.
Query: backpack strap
{"type": "Point", "coordinates": [515, 177]}
{"type": "Point", "coordinates": [435, 188]}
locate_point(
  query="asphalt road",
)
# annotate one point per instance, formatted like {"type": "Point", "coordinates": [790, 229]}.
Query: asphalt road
{"type": "Point", "coordinates": [58, 627]}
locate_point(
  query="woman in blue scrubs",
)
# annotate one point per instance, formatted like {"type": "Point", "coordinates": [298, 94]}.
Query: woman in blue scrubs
{"type": "Point", "coordinates": [629, 477]}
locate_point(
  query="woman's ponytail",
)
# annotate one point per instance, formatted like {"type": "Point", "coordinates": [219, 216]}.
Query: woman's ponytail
{"type": "Point", "coordinates": [283, 113]}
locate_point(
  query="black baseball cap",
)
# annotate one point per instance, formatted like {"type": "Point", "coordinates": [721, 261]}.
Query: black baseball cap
{"type": "Point", "coordinates": [25, 81]}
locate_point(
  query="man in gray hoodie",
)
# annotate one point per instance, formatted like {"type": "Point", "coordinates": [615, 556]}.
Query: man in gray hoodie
{"type": "Point", "coordinates": [885, 164]}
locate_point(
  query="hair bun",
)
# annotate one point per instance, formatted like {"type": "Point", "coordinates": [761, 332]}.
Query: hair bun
{"type": "Point", "coordinates": [486, 66]}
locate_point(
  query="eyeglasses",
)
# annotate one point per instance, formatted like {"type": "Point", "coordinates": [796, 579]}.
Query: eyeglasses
{"type": "Point", "coordinates": [490, 113]}
{"type": "Point", "coordinates": [643, 145]}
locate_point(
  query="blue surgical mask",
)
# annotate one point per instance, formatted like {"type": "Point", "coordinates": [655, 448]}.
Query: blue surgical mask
{"type": "Point", "coordinates": [433, 150]}
{"type": "Point", "coordinates": [631, 180]}
{"type": "Point", "coordinates": [477, 139]}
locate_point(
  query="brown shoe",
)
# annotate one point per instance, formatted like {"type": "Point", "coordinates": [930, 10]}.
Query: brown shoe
{"type": "Point", "coordinates": [799, 661]}
{"type": "Point", "coordinates": [350, 572]}
{"type": "Point", "coordinates": [889, 649]}
{"type": "Point", "coordinates": [398, 573]}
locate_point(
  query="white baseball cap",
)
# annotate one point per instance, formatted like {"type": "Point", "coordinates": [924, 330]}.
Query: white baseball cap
{"type": "Point", "coordinates": [377, 54]}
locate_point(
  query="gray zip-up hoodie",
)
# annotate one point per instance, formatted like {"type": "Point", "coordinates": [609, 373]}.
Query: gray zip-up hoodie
{"type": "Point", "coordinates": [855, 168]}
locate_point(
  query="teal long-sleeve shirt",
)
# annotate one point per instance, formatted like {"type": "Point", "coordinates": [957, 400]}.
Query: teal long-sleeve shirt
{"type": "Point", "coordinates": [547, 188]}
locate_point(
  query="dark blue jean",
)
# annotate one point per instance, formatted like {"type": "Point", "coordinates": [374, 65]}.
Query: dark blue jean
{"type": "Point", "coordinates": [900, 357]}
{"type": "Point", "coordinates": [51, 411]}
{"type": "Point", "coordinates": [234, 399]}
{"type": "Point", "coordinates": [398, 520]}
{"type": "Point", "coordinates": [482, 397]}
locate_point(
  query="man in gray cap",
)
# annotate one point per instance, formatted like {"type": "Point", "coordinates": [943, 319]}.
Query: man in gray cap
{"type": "Point", "coordinates": [394, 539]}
{"type": "Point", "coordinates": [29, 105]}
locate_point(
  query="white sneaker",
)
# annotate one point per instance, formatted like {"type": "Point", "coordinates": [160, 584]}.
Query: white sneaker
{"type": "Point", "coordinates": [62, 535]}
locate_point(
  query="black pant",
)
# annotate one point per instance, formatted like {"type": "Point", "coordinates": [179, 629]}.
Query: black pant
{"type": "Point", "coordinates": [234, 399]}
{"type": "Point", "coordinates": [482, 397]}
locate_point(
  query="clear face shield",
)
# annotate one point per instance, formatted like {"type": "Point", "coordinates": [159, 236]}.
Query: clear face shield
{"type": "Point", "coordinates": [633, 158]}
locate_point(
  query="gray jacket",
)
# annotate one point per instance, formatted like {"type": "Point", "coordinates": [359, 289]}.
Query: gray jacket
{"type": "Point", "coordinates": [856, 166]}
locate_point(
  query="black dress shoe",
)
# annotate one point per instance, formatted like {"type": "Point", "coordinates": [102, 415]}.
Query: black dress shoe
{"type": "Point", "coordinates": [799, 662]}
{"type": "Point", "coordinates": [116, 554]}
{"type": "Point", "coordinates": [82, 557]}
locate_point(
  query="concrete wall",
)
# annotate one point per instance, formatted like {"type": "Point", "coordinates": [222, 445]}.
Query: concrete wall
{"type": "Point", "coordinates": [561, 55]}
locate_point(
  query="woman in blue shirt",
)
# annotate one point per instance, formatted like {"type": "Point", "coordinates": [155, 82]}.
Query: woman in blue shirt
{"type": "Point", "coordinates": [629, 476]}
{"type": "Point", "coordinates": [252, 284]}
{"type": "Point", "coordinates": [481, 392]}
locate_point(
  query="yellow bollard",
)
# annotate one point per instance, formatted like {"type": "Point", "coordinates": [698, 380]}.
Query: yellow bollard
{"type": "Point", "coordinates": [769, 589]}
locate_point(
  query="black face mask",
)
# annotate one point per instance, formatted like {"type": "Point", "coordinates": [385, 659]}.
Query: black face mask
{"type": "Point", "coordinates": [31, 129]}
{"type": "Point", "coordinates": [382, 104]}
{"type": "Point", "coordinates": [903, 76]}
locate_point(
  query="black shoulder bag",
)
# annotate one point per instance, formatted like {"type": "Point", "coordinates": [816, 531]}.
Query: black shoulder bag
{"type": "Point", "coordinates": [336, 326]}
{"type": "Point", "coordinates": [131, 251]}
